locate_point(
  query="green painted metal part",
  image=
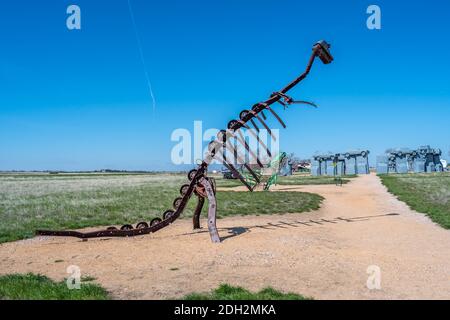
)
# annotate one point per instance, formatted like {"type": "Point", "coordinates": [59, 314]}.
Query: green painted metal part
{"type": "Point", "coordinates": [268, 176]}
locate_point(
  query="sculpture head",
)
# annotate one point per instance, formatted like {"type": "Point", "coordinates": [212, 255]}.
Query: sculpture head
{"type": "Point", "coordinates": [322, 49]}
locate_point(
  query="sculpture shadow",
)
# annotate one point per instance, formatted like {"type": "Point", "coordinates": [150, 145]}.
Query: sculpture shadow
{"type": "Point", "coordinates": [237, 231]}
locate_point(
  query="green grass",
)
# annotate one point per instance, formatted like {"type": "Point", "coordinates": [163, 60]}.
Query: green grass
{"type": "Point", "coordinates": [296, 179]}
{"type": "Point", "coordinates": [246, 203]}
{"type": "Point", "coordinates": [36, 287]}
{"type": "Point", "coordinates": [312, 180]}
{"type": "Point", "coordinates": [426, 193]}
{"type": "Point", "coordinates": [227, 292]}
{"type": "Point", "coordinates": [30, 202]}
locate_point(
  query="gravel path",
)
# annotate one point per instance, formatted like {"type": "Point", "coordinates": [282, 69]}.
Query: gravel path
{"type": "Point", "coordinates": [324, 254]}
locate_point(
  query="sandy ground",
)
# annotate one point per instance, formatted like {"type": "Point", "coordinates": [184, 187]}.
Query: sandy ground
{"type": "Point", "coordinates": [324, 254]}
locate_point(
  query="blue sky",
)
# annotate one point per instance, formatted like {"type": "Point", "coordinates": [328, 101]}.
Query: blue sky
{"type": "Point", "coordinates": [78, 100]}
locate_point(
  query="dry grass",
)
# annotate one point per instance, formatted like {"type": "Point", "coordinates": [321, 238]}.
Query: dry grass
{"type": "Point", "coordinates": [30, 202]}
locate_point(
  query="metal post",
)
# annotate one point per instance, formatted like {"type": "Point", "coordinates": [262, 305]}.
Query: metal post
{"type": "Point", "coordinates": [212, 227]}
{"type": "Point", "coordinates": [198, 212]}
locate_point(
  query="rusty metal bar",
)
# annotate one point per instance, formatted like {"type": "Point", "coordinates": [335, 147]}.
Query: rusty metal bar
{"type": "Point", "coordinates": [215, 151]}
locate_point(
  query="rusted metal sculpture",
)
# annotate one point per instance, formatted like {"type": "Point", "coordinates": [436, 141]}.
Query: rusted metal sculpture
{"type": "Point", "coordinates": [200, 184]}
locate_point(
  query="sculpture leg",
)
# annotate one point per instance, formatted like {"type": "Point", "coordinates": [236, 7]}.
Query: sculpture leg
{"type": "Point", "coordinates": [211, 210]}
{"type": "Point", "coordinates": [198, 212]}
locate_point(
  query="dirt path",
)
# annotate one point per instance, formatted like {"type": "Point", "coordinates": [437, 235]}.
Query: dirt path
{"type": "Point", "coordinates": [324, 254]}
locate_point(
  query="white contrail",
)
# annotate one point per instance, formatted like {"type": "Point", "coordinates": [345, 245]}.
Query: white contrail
{"type": "Point", "coordinates": [141, 53]}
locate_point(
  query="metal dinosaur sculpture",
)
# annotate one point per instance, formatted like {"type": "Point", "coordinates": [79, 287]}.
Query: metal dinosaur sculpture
{"type": "Point", "coordinates": [200, 184]}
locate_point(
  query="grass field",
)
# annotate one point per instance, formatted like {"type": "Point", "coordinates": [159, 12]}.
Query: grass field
{"type": "Point", "coordinates": [36, 287]}
{"type": "Point", "coordinates": [296, 179]}
{"type": "Point", "coordinates": [310, 180]}
{"type": "Point", "coordinates": [227, 292]}
{"type": "Point", "coordinates": [426, 193]}
{"type": "Point", "coordinates": [73, 201]}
